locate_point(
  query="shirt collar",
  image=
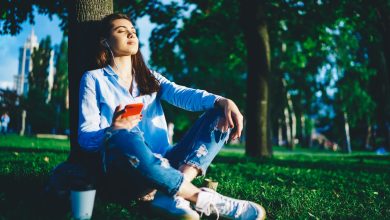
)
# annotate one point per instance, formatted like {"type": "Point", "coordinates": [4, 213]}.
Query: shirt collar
{"type": "Point", "coordinates": [110, 71]}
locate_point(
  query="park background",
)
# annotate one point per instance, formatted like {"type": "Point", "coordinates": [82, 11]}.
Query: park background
{"type": "Point", "coordinates": [311, 78]}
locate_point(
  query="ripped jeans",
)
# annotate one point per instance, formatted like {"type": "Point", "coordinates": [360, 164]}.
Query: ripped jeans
{"type": "Point", "coordinates": [132, 167]}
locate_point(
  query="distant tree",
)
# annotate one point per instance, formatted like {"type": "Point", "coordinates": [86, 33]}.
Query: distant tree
{"type": "Point", "coordinates": [38, 110]}
{"type": "Point", "coordinates": [60, 90]}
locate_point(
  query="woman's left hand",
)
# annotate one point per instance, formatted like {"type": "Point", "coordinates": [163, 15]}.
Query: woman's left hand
{"type": "Point", "coordinates": [233, 117]}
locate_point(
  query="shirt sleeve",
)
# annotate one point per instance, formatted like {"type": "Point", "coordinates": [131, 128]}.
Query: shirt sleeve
{"type": "Point", "coordinates": [90, 134]}
{"type": "Point", "coordinates": [184, 97]}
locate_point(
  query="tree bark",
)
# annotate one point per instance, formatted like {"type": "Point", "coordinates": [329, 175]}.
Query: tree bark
{"type": "Point", "coordinates": [258, 49]}
{"type": "Point", "coordinates": [83, 23]}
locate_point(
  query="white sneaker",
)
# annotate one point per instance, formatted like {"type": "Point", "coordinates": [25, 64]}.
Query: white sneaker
{"type": "Point", "coordinates": [173, 207]}
{"type": "Point", "coordinates": [211, 202]}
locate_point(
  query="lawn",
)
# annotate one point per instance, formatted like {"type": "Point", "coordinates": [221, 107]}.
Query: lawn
{"type": "Point", "coordinates": [292, 185]}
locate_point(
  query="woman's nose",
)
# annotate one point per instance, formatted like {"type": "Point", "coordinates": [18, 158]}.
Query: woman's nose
{"type": "Point", "coordinates": [130, 35]}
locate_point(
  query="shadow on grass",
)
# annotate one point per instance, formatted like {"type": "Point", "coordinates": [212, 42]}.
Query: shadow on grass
{"type": "Point", "coordinates": [23, 197]}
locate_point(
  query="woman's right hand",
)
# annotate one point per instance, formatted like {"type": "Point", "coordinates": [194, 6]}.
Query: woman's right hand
{"type": "Point", "coordinates": [119, 122]}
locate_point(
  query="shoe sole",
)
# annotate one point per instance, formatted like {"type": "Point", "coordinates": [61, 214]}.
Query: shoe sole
{"type": "Point", "coordinates": [162, 212]}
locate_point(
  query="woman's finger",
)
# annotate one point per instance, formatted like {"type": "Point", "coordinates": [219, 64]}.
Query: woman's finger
{"type": "Point", "coordinates": [117, 112]}
{"type": "Point", "coordinates": [228, 115]}
{"type": "Point", "coordinates": [239, 122]}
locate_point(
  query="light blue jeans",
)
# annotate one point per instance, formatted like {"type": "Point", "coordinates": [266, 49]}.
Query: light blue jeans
{"type": "Point", "coordinates": [133, 167]}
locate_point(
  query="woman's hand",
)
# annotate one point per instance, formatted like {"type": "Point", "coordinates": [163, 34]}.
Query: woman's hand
{"type": "Point", "coordinates": [119, 122]}
{"type": "Point", "coordinates": [233, 117]}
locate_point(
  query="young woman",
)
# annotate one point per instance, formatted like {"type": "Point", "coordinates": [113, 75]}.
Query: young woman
{"type": "Point", "coordinates": [136, 154]}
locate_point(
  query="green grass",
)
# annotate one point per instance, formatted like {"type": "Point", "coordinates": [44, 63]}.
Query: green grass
{"type": "Point", "coordinates": [291, 185]}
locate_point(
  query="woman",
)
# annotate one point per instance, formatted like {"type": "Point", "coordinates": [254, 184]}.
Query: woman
{"type": "Point", "coordinates": [136, 153]}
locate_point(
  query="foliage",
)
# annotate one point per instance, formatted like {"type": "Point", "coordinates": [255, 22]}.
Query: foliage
{"type": "Point", "coordinates": [14, 13]}
{"type": "Point", "coordinates": [38, 109]}
{"type": "Point", "coordinates": [189, 46]}
{"type": "Point", "coordinates": [292, 185]}
{"type": "Point", "coordinates": [60, 88]}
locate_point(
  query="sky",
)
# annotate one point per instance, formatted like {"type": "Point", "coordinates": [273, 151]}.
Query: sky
{"type": "Point", "coordinates": [9, 45]}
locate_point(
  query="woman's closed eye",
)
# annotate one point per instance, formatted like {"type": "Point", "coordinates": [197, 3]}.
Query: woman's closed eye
{"type": "Point", "coordinates": [127, 32]}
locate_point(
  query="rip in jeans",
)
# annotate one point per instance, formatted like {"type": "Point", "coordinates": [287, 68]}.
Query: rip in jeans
{"type": "Point", "coordinates": [219, 134]}
{"type": "Point", "coordinates": [134, 161]}
{"type": "Point", "coordinates": [164, 162]}
{"type": "Point", "coordinates": [202, 151]}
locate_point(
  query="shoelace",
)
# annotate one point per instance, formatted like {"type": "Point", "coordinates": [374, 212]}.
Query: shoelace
{"type": "Point", "coordinates": [240, 208]}
{"type": "Point", "coordinates": [208, 210]}
{"type": "Point", "coordinates": [227, 205]}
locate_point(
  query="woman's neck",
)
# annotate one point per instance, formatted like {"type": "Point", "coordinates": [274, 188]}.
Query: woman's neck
{"type": "Point", "coordinates": [123, 66]}
{"type": "Point", "coordinates": [123, 69]}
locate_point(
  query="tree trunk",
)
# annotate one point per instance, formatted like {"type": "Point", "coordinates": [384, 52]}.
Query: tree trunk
{"type": "Point", "coordinates": [256, 36]}
{"type": "Point", "coordinates": [287, 123]}
{"type": "Point", "coordinates": [83, 20]}
{"type": "Point", "coordinates": [280, 133]}
{"type": "Point", "coordinates": [368, 145]}
{"type": "Point", "coordinates": [290, 115]}
{"type": "Point", "coordinates": [347, 135]}
{"type": "Point", "coordinates": [384, 29]}
{"type": "Point", "coordinates": [303, 132]}
{"type": "Point", "coordinates": [380, 90]}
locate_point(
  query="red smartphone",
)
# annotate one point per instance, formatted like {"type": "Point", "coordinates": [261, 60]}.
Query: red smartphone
{"type": "Point", "coordinates": [132, 109]}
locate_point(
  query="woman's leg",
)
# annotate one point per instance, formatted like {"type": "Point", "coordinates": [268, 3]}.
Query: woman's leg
{"type": "Point", "coordinates": [130, 162]}
{"type": "Point", "coordinates": [199, 146]}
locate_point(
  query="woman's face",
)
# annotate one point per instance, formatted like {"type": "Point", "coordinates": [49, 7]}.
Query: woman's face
{"type": "Point", "coordinates": [123, 40]}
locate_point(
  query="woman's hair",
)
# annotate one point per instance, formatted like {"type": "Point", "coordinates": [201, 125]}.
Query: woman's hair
{"type": "Point", "coordinates": [147, 83]}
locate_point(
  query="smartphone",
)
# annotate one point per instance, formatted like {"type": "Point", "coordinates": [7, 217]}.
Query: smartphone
{"type": "Point", "coordinates": [132, 109]}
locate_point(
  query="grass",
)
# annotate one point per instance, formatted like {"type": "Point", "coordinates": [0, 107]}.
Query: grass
{"type": "Point", "coordinates": [291, 185]}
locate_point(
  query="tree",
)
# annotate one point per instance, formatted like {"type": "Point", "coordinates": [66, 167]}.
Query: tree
{"type": "Point", "coordinates": [83, 20]}
{"type": "Point", "coordinates": [255, 29]}
{"type": "Point", "coordinates": [60, 90]}
{"type": "Point", "coordinates": [38, 109]}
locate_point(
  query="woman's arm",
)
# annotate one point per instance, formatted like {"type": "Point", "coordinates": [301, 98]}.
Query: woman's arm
{"type": "Point", "coordinates": [198, 100]}
{"type": "Point", "coordinates": [184, 97]}
{"type": "Point", "coordinates": [90, 135]}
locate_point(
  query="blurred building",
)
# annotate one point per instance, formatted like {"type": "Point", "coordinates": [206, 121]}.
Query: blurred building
{"type": "Point", "coordinates": [26, 65]}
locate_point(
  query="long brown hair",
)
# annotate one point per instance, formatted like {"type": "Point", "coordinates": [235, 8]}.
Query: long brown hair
{"type": "Point", "coordinates": [146, 82]}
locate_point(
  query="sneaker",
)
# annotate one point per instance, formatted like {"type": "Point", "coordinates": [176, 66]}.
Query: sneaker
{"type": "Point", "coordinates": [173, 207]}
{"type": "Point", "coordinates": [211, 202]}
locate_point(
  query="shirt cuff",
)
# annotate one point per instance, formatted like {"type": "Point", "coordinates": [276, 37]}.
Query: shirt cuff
{"type": "Point", "coordinates": [217, 98]}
